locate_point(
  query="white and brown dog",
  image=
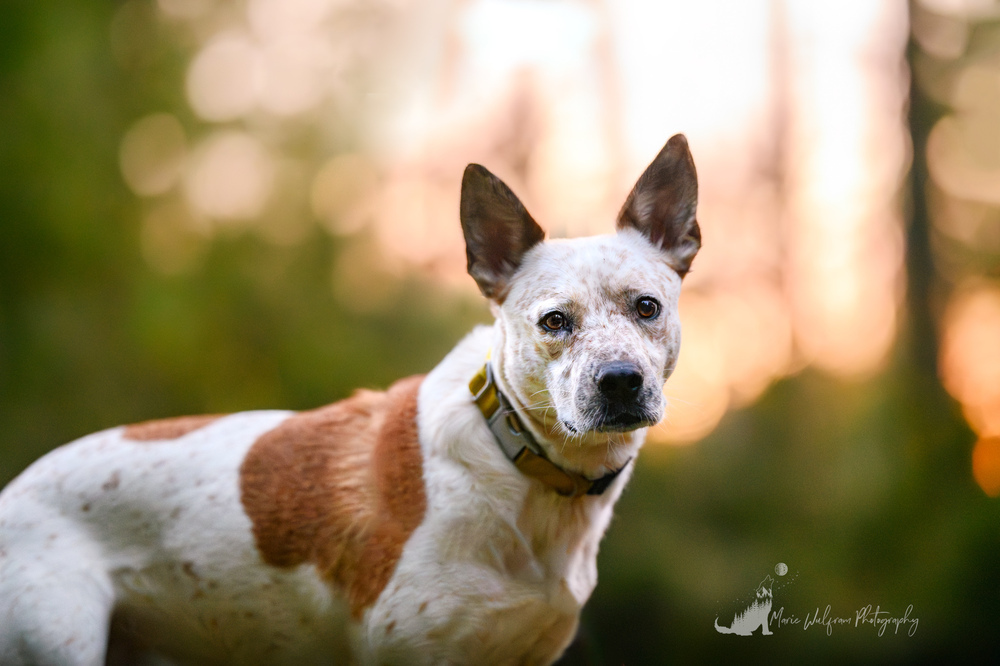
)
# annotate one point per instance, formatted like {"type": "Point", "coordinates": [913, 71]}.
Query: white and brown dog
{"type": "Point", "coordinates": [454, 518]}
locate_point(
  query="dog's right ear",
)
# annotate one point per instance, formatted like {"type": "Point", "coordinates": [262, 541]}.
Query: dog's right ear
{"type": "Point", "coordinates": [498, 230]}
{"type": "Point", "coordinates": [662, 205]}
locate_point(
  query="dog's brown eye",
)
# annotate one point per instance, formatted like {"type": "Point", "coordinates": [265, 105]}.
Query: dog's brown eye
{"type": "Point", "coordinates": [554, 321]}
{"type": "Point", "coordinates": [647, 308]}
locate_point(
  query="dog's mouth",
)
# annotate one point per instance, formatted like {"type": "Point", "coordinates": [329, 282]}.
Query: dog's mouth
{"type": "Point", "coordinates": [620, 420]}
{"type": "Point", "coordinates": [624, 420]}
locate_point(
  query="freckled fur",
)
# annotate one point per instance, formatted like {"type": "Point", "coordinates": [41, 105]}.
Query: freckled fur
{"type": "Point", "coordinates": [389, 528]}
{"type": "Point", "coordinates": [584, 276]}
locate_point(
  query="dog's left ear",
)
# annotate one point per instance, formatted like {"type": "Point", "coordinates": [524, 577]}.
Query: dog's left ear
{"type": "Point", "coordinates": [662, 205]}
{"type": "Point", "coordinates": [498, 230]}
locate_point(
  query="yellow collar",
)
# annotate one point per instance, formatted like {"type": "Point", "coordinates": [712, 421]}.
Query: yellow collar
{"type": "Point", "coordinates": [521, 448]}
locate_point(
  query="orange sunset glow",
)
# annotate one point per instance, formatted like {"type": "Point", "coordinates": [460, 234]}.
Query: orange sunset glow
{"type": "Point", "coordinates": [219, 206]}
{"type": "Point", "coordinates": [794, 112]}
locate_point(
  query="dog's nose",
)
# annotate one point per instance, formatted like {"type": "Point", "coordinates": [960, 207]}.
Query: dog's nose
{"type": "Point", "coordinates": [619, 382]}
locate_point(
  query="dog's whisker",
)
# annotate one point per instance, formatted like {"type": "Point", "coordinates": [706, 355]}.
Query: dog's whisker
{"type": "Point", "coordinates": [671, 399]}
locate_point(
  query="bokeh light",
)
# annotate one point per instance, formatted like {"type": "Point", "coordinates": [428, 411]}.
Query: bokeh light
{"type": "Point", "coordinates": [230, 176]}
{"type": "Point", "coordinates": [963, 161]}
{"type": "Point", "coordinates": [970, 355]}
{"type": "Point", "coordinates": [225, 77]}
{"type": "Point", "coordinates": [986, 465]}
{"type": "Point", "coordinates": [342, 192]}
{"type": "Point", "coordinates": [795, 118]}
{"type": "Point", "coordinates": [153, 153]}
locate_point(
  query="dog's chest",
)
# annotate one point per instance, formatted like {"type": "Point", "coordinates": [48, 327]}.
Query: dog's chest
{"type": "Point", "coordinates": [492, 586]}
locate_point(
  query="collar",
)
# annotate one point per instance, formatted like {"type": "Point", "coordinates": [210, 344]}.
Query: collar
{"type": "Point", "coordinates": [521, 448]}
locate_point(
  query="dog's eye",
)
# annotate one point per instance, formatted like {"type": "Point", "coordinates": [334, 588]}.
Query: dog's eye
{"type": "Point", "coordinates": [554, 321]}
{"type": "Point", "coordinates": [647, 308]}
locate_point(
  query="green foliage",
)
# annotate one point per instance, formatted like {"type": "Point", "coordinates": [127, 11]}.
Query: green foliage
{"type": "Point", "coordinates": [90, 335]}
{"type": "Point", "coordinates": [863, 489]}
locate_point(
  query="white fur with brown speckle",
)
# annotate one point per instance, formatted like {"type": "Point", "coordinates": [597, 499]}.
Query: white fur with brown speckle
{"type": "Point", "coordinates": [496, 572]}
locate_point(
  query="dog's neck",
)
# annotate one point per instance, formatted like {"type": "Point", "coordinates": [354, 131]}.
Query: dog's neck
{"type": "Point", "coordinates": [520, 446]}
{"type": "Point", "coordinates": [591, 454]}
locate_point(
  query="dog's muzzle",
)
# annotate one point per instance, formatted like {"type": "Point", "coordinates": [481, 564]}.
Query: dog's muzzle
{"type": "Point", "coordinates": [619, 385]}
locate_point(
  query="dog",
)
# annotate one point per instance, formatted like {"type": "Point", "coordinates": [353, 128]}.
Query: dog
{"type": "Point", "coordinates": [454, 518]}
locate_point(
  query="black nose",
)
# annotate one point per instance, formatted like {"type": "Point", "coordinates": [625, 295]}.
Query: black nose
{"type": "Point", "coordinates": [619, 382]}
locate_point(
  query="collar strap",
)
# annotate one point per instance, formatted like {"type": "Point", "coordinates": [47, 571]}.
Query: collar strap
{"type": "Point", "coordinates": [521, 448]}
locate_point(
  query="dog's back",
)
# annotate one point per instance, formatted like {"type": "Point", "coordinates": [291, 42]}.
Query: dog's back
{"type": "Point", "coordinates": [277, 538]}
{"type": "Point", "coordinates": [151, 528]}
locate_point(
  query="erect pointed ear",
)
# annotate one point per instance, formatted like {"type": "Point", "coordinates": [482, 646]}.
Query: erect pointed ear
{"type": "Point", "coordinates": [662, 205]}
{"type": "Point", "coordinates": [498, 231]}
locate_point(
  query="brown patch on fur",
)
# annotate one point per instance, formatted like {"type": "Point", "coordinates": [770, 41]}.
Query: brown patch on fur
{"type": "Point", "coordinates": [340, 487]}
{"type": "Point", "coordinates": [149, 431]}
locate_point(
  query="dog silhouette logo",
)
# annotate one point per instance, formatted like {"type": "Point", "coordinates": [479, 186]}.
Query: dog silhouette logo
{"type": "Point", "coordinates": [755, 615]}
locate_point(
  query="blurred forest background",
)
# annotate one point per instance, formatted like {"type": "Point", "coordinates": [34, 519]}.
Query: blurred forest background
{"type": "Point", "coordinates": [214, 205]}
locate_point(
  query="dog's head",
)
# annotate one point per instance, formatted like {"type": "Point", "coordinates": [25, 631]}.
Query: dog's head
{"type": "Point", "coordinates": [589, 326]}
